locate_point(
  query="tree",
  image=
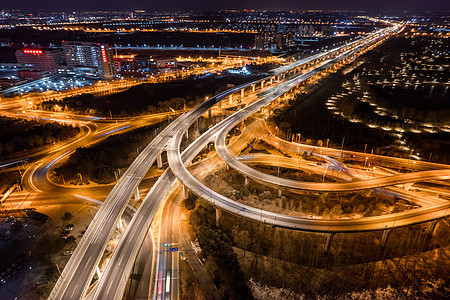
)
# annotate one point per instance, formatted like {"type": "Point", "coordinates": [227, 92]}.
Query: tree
{"type": "Point", "coordinates": [71, 240]}
{"type": "Point", "coordinates": [243, 239]}
{"type": "Point", "coordinates": [336, 211]}
{"type": "Point", "coordinates": [9, 146]}
{"type": "Point", "coordinates": [49, 245]}
{"type": "Point", "coordinates": [67, 216]}
{"type": "Point", "coordinates": [17, 227]}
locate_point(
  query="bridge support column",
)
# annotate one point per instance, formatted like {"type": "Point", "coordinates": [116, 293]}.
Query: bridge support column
{"type": "Point", "coordinates": [280, 192]}
{"type": "Point", "coordinates": [209, 113]}
{"type": "Point", "coordinates": [262, 84]}
{"type": "Point", "coordinates": [328, 242]}
{"type": "Point", "coordinates": [242, 93]}
{"type": "Point", "coordinates": [253, 87]}
{"type": "Point", "coordinates": [159, 161]}
{"type": "Point", "coordinates": [136, 194]}
{"type": "Point", "coordinates": [220, 104]}
{"type": "Point", "coordinates": [385, 237]}
{"type": "Point", "coordinates": [218, 215]}
{"type": "Point", "coordinates": [187, 134]}
{"type": "Point", "coordinates": [185, 192]}
{"type": "Point", "coordinates": [245, 180]}
{"type": "Point", "coordinates": [431, 227]}
{"type": "Point", "coordinates": [230, 99]}
{"type": "Point", "coordinates": [271, 80]}
{"type": "Point", "coordinates": [120, 224]}
{"type": "Point", "coordinates": [98, 272]}
{"type": "Point", "coordinates": [429, 233]}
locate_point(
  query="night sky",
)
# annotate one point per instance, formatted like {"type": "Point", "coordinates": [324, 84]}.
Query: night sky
{"type": "Point", "coordinates": [173, 5]}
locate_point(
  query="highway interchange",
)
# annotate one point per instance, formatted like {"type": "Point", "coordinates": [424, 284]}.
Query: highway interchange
{"type": "Point", "coordinates": [75, 278]}
{"type": "Point", "coordinates": [140, 224]}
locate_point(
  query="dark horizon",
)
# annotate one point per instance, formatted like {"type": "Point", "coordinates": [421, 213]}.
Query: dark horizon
{"type": "Point", "coordinates": [412, 6]}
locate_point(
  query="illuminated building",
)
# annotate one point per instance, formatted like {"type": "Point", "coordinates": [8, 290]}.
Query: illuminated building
{"type": "Point", "coordinates": [40, 59]}
{"type": "Point", "coordinates": [131, 63]}
{"type": "Point", "coordinates": [165, 62]}
{"type": "Point", "coordinates": [90, 58]}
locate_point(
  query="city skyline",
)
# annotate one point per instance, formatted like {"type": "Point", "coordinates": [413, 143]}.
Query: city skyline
{"type": "Point", "coordinates": [201, 5]}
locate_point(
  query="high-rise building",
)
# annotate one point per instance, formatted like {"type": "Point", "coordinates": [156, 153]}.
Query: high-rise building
{"type": "Point", "coordinates": [40, 59]}
{"type": "Point", "coordinates": [90, 58]}
{"type": "Point", "coordinates": [259, 42]}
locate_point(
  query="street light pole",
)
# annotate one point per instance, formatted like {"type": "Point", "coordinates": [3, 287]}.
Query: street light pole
{"type": "Point", "coordinates": [60, 274]}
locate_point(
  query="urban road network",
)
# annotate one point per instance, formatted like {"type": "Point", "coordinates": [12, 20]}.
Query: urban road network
{"type": "Point", "coordinates": [113, 281]}
{"type": "Point", "coordinates": [77, 275]}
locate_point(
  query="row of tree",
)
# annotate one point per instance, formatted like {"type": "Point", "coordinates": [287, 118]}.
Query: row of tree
{"type": "Point", "coordinates": [100, 163]}
{"type": "Point", "coordinates": [217, 249]}
{"type": "Point", "coordinates": [20, 134]}
{"type": "Point", "coordinates": [146, 98]}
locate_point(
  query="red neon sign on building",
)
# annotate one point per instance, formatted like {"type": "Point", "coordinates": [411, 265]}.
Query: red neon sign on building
{"type": "Point", "coordinates": [32, 51]}
{"type": "Point", "coordinates": [104, 54]}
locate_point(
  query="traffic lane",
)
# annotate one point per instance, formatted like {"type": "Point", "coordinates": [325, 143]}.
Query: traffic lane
{"type": "Point", "coordinates": [91, 256]}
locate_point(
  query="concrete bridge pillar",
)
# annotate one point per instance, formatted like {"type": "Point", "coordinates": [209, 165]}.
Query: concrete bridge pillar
{"type": "Point", "coordinates": [136, 194]}
{"type": "Point", "coordinates": [218, 215]}
{"type": "Point", "coordinates": [271, 80]}
{"type": "Point", "coordinates": [230, 99]}
{"type": "Point", "coordinates": [328, 242]}
{"type": "Point", "coordinates": [99, 274]}
{"type": "Point", "coordinates": [262, 84]}
{"type": "Point", "coordinates": [280, 192]}
{"type": "Point", "coordinates": [209, 113]}
{"type": "Point", "coordinates": [185, 192]}
{"type": "Point", "coordinates": [245, 180]}
{"type": "Point", "coordinates": [429, 233]}
{"type": "Point", "coordinates": [253, 87]}
{"type": "Point", "coordinates": [120, 224]}
{"type": "Point", "coordinates": [385, 237]}
{"type": "Point", "coordinates": [159, 160]}
{"type": "Point", "coordinates": [242, 93]}
{"type": "Point", "coordinates": [431, 227]}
